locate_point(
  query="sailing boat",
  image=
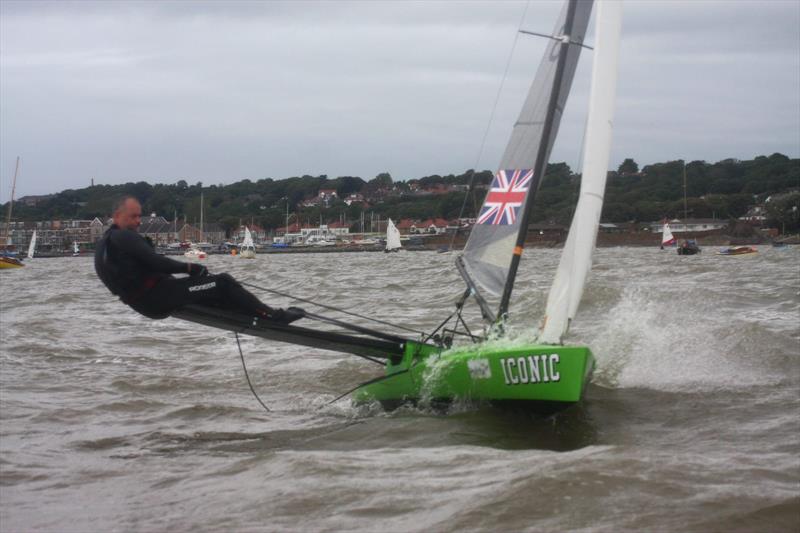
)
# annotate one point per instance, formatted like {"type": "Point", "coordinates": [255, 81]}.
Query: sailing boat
{"type": "Point", "coordinates": [32, 245]}
{"type": "Point", "coordinates": [667, 239]}
{"type": "Point", "coordinates": [248, 249]}
{"type": "Point", "coordinates": [7, 259]}
{"type": "Point", "coordinates": [392, 238]}
{"type": "Point", "coordinates": [195, 252]}
{"type": "Point", "coordinates": [75, 250]}
{"type": "Point", "coordinates": [689, 246]}
{"type": "Point", "coordinates": [546, 375]}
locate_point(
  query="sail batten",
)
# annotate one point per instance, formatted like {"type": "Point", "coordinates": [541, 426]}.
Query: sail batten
{"type": "Point", "coordinates": [576, 259]}
{"type": "Point", "coordinates": [502, 220]}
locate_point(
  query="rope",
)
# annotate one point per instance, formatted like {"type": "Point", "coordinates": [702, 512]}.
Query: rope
{"type": "Point", "coordinates": [331, 308]}
{"type": "Point", "coordinates": [246, 375]}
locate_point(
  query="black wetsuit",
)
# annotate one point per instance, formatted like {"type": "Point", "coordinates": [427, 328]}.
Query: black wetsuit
{"type": "Point", "coordinates": [130, 268]}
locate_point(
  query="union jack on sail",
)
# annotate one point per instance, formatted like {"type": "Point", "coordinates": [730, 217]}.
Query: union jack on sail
{"type": "Point", "coordinates": [505, 197]}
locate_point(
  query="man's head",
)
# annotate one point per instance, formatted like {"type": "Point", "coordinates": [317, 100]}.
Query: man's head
{"type": "Point", "coordinates": [127, 213]}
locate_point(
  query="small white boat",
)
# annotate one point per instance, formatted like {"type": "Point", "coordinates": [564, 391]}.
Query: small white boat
{"type": "Point", "coordinates": [392, 238]}
{"type": "Point", "coordinates": [75, 250]}
{"type": "Point", "coordinates": [248, 249]}
{"type": "Point", "coordinates": [195, 253]}
{"type": "Point", "coordinates": [318, 240]}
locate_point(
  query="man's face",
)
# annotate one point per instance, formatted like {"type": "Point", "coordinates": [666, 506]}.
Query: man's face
{"type": "Point", "coordinates": [129, 216]}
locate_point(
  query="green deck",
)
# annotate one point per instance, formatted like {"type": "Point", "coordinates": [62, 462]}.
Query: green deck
{"type": "Point", "coordinates": [548, 375]}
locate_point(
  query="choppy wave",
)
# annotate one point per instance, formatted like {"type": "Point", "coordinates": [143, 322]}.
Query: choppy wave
{"type": "Point", "coordinates": [113, 421]}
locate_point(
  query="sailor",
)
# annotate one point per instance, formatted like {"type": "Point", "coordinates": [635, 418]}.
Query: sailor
{"type": "Point", "coordinates": [129, 266]}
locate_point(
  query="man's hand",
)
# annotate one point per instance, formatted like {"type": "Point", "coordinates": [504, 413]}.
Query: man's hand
{"type": "Point", "coordinates": [197, 271]}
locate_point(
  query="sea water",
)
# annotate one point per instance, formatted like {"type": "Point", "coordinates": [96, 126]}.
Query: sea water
{"type": "Point", "coordinates": [110, 421]}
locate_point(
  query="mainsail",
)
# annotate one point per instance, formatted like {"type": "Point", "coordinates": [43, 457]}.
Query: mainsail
{"type": "Point", "coordinates": [667, 238]}
{"type": "Point", "coordinates": [392, 237]}
{"type": "Point", "coordinates": [486, 263]}
{"type": "Point", "coordinates": [32, 245]}
{"type": "Point", "coordinates": [247, 242]}
{"type": "Point", "coordinates": [576, 259]}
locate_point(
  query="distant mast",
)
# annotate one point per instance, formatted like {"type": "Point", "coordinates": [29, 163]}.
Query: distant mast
{"type": "Point", "coordinates": [685, 207]}
{"type": "Point", "coordinates": [11, 203]}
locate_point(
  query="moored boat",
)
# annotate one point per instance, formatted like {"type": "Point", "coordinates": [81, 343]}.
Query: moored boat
{"type": "Point", "coordinates": [689, 247]}
{"type": "Point", "coordinates": [248, 249]}
{"type": "Point", "coordinates": [8, 258]}
{"type": "Point", "coordinates": [738, 250]}
{"type": "Point", "coordinates": [10, 262]}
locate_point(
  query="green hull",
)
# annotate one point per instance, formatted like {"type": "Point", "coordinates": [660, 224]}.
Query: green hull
{"type": "Point", "coordinates": [543, 378]}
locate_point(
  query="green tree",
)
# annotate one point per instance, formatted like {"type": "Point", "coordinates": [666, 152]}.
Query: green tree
{"type": "Point", "coordinates": [629, 166]}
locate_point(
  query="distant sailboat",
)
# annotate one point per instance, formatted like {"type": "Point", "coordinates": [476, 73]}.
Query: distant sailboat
{"type": "Point", "coordinates": [7, 259]}
{"type": "Point", "coordinates": [689, 246]}
{"type": "Point", "coordinates": [32, 245]}
{"type": "Point", "coordinates": [667, 238]}
{"type": "Point", "coordinates": [392, 238]}
{"type": "Point", "coordinates": [248, 249]}
{"type": "Point", "coordinates": [75, 250]}
{"type": "Point", "coordinates": [195, 252]}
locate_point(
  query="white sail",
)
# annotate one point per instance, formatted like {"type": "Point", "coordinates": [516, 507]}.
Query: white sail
{"type": "Point", "coordinates": [247, 242]}
{"type": "Point", "coordinates": [392, 237]}
{"type": "Point", "coordinates": [576, 259]}
{"type": "Point", "coordinates": [667, 239]}
{"type": "Point", "coordinates": [75, 249]}
{"type": "Point", "coordinates": [32, 245]}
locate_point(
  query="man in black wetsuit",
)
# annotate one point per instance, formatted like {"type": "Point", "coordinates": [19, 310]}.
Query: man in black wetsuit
{"type": "Point", "coordinates": [129, 266]}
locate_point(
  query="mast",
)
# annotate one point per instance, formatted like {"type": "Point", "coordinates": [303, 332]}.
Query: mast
{"type": "Point", "coordinates": [685, 208]}
{"type": "Point", "coordinates": [541, 160]}
{"type": "Point", "coordinates": [11, 203]}
{"type": "Point", "coordinates": [202, 234]}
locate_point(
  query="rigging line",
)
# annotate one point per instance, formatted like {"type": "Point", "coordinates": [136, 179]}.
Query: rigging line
{"type": "Point", "coordinates": [246, 375]}
{"type": "Point", "coordinates": [491, 116]}
{"type": "Point", "coordinates": [440, 326]}
{"type": "Point", "coordinates": [555, 38]}
{"type": "Point", "coordinates": [370, 382]}
{"type": "Point", "coordinates": [353, 327]}
{"type": "Point", "coordinates": [332, 308]}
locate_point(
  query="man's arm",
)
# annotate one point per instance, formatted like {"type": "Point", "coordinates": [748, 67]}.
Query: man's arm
{"type": "Point", "coordinates": [134, 244]}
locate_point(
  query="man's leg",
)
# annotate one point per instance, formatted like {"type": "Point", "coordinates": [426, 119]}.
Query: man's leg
{"type": "Point", "coordinates": [220, 290]}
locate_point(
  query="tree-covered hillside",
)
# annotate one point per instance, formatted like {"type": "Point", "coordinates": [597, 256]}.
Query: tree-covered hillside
{"type": "Point", "coordinates": [726, 189]}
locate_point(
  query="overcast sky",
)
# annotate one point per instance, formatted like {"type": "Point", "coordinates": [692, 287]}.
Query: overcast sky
{"type": "Point", "coordinates": [218, 92]}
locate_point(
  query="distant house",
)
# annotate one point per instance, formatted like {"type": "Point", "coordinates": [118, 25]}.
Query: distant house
{"type": "Point", "coordinates": [689, 225]}
{"type": "Point", "coordinates": [755, 215]}
{"type": "Point", "coordinates": [159, 230]}
{"type": "Point", "coordinates": [213, 233]}
{"type": "Point", "coordinates": [354, 198]}
{"type": "Point", "coordinates": [405, 225]}
{"type": "Point", "coordinates": [55, 234]}
{"type": "Point", "coordinates": [434, 226]}
{"type": "Point", "coordinates": [339, 228]}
